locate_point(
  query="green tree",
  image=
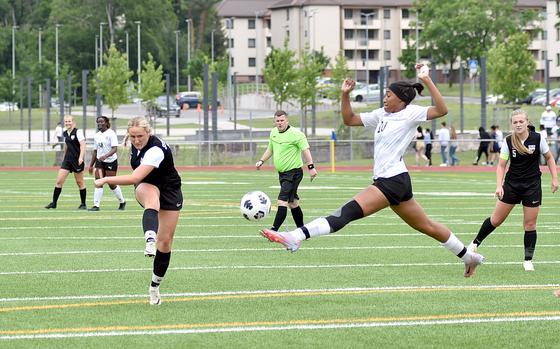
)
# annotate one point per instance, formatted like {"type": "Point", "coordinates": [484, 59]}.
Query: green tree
{"type": "Point", "coordinates": [309, 70]}
{"type": "Point", "coordinates": [408, 59]}
{"type": "Point", "coordinates": [152, 83]}
{"type": "Point", "coordinates": [113, 80]}
{"type": "Point", "coordinates": [467, 28]}
{"type": "Point", "coordinates": [511, 67]}
{"type": "Point", "coordinates": [339, 72]}
{"type": "Point", "coordinates": [280, 73]}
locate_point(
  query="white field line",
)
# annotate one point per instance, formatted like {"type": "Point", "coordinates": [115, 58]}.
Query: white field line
{"type": "Point", "coordinates": [258, 267]}
{"type": "Point", "coordinates": [291, 291]}
{"type": "Point", "coordinates": [267, 328]}
{"type": "Point", "coordinates": [213, 250]}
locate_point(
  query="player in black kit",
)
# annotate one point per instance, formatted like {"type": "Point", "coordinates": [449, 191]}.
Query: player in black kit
{"type": "Point", "coordinates": [158, 190]}
{"type": "Point", "coordinates": [74, 152]}
{"type": "Point", "coordinates": [522, 183]}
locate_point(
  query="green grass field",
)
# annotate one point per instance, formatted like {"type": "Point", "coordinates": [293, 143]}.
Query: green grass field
{"type": "Point", "coordinates": [75, 279]}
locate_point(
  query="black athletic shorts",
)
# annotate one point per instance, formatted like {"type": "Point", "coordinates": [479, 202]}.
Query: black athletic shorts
{"type": "Point", "coordinates": [72, 165]}
{"type": "Point", "coordinates": [107, 166]}
{"type": "Point", "coordinates": [170, 199]}
{"type": "Point", "coordinates": [289, 183]}
{"type": "Point", "coordinates": [528, 193]}
{"type": "Point", "coordinates": [396, 189]}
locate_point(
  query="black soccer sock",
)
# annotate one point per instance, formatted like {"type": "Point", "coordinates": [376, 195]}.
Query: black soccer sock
{"type": "Point", "coordinates": [280, 217]}
{"type": "Point", "coordinates": [83, 196]}
{"type": "Point", "coordinates": [347, 213]}
{"type": "Point", "coordinates": [530, 241]}
{"type": "Point", "coordinates": [150, 220]}
{"type": "Point", "coordinates": [56, 194]}
{"type": "Point", "coordinates": [161, 263]}
{"type": "Point", "coordinates": [297, 214]}
{"type": "Point", "coordinates": [485, 229]}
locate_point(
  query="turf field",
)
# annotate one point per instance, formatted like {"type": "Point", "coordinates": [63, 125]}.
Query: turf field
{"type": "Point", "coordinates": [75, 279]}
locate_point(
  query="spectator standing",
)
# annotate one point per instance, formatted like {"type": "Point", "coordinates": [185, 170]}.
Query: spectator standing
{"type": "Point", "coordinates": [428, 136]}
{"type": "Point", "coordinates": [443, 138]}
{"type": "Point", "coordinates": [58, 135]}
{"type": "Point", "coordinates": [548, 119]}
{"type": "Point", "coordinates": [420, 146]}
{"type": "Point", "coordinates": [453, 143]}
{"type": "Point", "coordinates": [483, 145]}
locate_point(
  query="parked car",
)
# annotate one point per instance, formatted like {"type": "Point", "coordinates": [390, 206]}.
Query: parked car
{"type": "Point", "coordinates": [190, 98]}
{"type": "Point", "coordinates": [161, 107]}
{"type": "Point", "coordinates": [536, 93]}
{"type": "Point", "coordinates": [494, 99]}
{"type": "Point", "coordinates": [541, 100]}
{"type": "Point", "coordinates": [365, 93]}
{"type": "Point", "coordinates": [8, 106]}
{"type": "Point", "coordinates": [323, 85]}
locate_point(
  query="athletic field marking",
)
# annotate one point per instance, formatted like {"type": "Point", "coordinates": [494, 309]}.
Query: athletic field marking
{"type": "Point", "coordinates": [258, 267]}
{"type": "Point", "coordinates": [325, 291]}
{"type": "Point", "coordinates": [262, 295]}
{"type": "Point", "coordinates": [307, 324]}
{"type": "Point", "coordinates": [250, 249]}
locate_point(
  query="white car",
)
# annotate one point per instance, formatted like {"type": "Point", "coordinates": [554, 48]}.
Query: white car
{"type": "Point", "coordinates": [8, 106]}
{"type": "Point", "coordinates": [365, 93]}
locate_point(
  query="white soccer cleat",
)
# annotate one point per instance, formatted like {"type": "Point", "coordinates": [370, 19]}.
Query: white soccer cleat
{"type": "Point", "coordinates": [150, 250]}
{"type": "Point", "coordinates": [290, 243]}
{"type": "Point", "coordinates": [528, 266]}
{"type": "Point", "coordinates": [155, 298]}
{"type": "Point", "coordinates": [473, 261]}
{"type": "Point", "coordinates": [472, 247]}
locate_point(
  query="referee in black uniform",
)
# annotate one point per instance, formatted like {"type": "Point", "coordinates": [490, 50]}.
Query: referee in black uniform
{"type": "Point", "coordinates": [158, 189]}
{"type": "Point", "coordinates": [522, 183]}
{"type": "Point", "coordinates": [74, 152]}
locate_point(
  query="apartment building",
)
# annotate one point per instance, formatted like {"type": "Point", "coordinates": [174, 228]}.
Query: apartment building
{"type": "Point", "coordinates": [371, 33]}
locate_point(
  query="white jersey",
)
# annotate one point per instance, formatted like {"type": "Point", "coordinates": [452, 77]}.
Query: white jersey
{"type": "Point", "coordinates": [103, 142]}
{"type": "Point", "coordinates": [393, 134]}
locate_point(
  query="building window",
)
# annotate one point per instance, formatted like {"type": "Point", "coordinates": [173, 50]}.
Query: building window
{"type": "Point", "coordinates": [251, 23]}
{"type": "Point", "coordinates": [387, 55]}
{"type": "Point", "coordinates": [252, 62]}
{"type": "Point", "coordinates": [557, 34]}
{"type": "Point", "coordinates": [231, 43]}
{"type": "Point", "coordinates": [251, 43]}
{"type": "Point", "coordinates": [349, 54]}
{"type": "Point", "coordinates": [544, 35]}
{"type": "Point", "coordinates": [405, 33]}
{"type": "Point", "coordinates": [268, 23]}
{"type": "Point", "coordinates": [387, 34]}
{"type": "Point", "coordinates": [229, 23]}
{"type": "Point", "coordinates": [231, 63]}
{"type": "Point", "coordinates": [558, 59]}
{"type": "Point", "coordinates": [348, 13]}
{"type": "Point", "coordinates": [268, 41]}
{"type": "Point", "coordinates": [405, 13]}
{"type": "Point", "coordinates": [287, 34]}
{"type": "Point", "coordinates": [287, 14]}
{"type": "Point", "coordinates": [387, 13]}
{"type": "Point", "coordinates": [364, 19]}
{"type": "Point", "coordinates": [348, 34]}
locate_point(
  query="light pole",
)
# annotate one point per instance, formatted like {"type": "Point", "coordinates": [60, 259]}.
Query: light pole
{"type": "Point", "coordinates": [212, 46]}
{"type": "Point", "coordinates": [127, 61]}
{"type": "Point", "coordinates": [177, 59]}
{"type": "Point", "coordinates": [417, 40]}
{"type": "Point", "coordinates": [96, 52]}
{"type": "Point", "coordinates": [56, 52]}
{"type": "Point", "coordinates": [139, 67]}
{"type": "Point", "coordinates": [311, 39]}
{"type": "Point", "coordinates": [101, 43]}
{"type": "Point", "coordinates": [229, 24]}
{"type": "Point", "coordinates": [40, 62]}
{"type": "Point", "coordinates": [257, 52]}
{"type": "Point", "coordinates": [367, 15]}
{"type": "Point", "coordinates": [14, 58]}
{"type": "Point", "coordinates": [189, 21]}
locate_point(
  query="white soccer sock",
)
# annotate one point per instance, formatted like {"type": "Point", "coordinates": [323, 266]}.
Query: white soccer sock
{"type": "Point", "coordinates": [156, 279]}
{"type": "Point", "coordinates": [317, 227]}
{"type": "Point", "coordinates": [97, 196]}
{"type": "Point", "coordinates": [455, 245]}
{"type": "Point", "coordinates": [150, 234]}
{"type": "Point", "coordinates": [118, 194]}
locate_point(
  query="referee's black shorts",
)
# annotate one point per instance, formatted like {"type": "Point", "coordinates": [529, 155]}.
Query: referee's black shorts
{"type": "Point", "coordinates": [528, 193]}
{"type": "Point", "coordinates": [396, 189]}
{"type": "Point", "coordinates": [72, 165]}
{"type": "Point", "coordinates": [289, 183]}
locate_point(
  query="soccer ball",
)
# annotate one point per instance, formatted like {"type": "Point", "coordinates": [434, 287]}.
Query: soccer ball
{"type": "Point", "coordinates": [255, 205]}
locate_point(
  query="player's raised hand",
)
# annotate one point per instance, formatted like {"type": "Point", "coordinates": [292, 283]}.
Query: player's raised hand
{"type": "Point", "coordinates": [422, 71]}
{"type": "Point", "coordinates": [347, 85]}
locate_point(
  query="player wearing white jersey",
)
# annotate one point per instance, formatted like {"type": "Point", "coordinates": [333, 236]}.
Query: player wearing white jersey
{"type": "Point", "coordinates": [394, 127]}
{"type": "Point", "coordinates": [104, 158]}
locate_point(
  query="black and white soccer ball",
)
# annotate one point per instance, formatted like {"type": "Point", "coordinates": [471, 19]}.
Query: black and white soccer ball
{"type": "Point", "coordinates": [255, 205]}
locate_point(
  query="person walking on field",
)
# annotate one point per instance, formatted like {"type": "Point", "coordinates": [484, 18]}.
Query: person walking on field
{"type": "Point", "coordinates": [104, 158]}
{"type": "Point", "coordinates": [394, 128]}
{"type": "Point", "coordinates": [548, 119]}
{"type": "Point", "coordinates": [522, 183]}
{"type": "Point", "coordinates": [158, 190]}
{"type": "Point", "coordinates": [419, 147]}
{"type": "Point", "coordinates": [286, 145]}
{"type": "Point", "coordinates": [453, 144]}
{"type": "Point", "coordinates": [443, 138]}
{"type": "Point", "coordinates": [428, 137]}
{"type": "Point", "coordinates": [74, 152]}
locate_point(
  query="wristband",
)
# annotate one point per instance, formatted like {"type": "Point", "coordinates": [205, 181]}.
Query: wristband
{"type": "Point", "coordinates": [261, 161]}
{"type": "Point", "coordinates": [310, 166]}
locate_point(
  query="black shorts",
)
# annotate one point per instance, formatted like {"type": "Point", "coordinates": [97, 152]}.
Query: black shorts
{"type": "Point", "coordinates": [107, 166]}
{"type": "Point", "coordinates": [169, 199]}
{"type": "Point", "coordinates": [289, 183]}
{"type": "Point", "coordinates": [528, 193]}
{"type": "Point", "coordinates": [396, 189]}
{"type": "Point", "coordinates": [72, 165]}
